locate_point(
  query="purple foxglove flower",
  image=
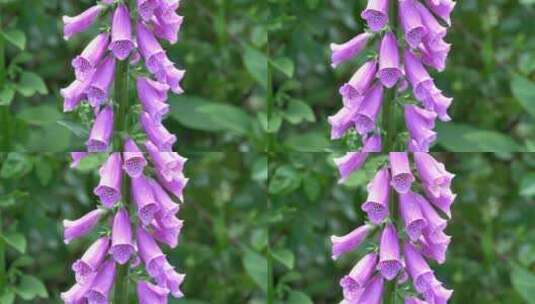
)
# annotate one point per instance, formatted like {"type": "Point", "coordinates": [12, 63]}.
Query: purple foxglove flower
{"type": "Point", "coordinates": [418, 77]}
{"type": "Point", "coordinates": [436, 55]}
{"type": "Point", "coordinates": [376, 14]}
{"type": "Point", "coordinates": [145, 8]}
{"type": "Point", "coordinates": [150, 49]}
{"type": "Point", "coordinates": [376, 204]}
{"type": "Point", "coordinates": [97, 92]}
{"type": "Point", "coordinates": [389, 258]}
{"type": "Point", "coordinates": [167, 206]}
{"type": "Point", "coordinates": [402, 177]}
{"type": "Point", "coordinates": [76, 294]}
{"type": "Point", "coordinates": [435, 31]}
{"type": "Point", "coordinates": [111, 175]}
{"type": "Point", "coordinates": [369, 109]}
{"type": "Point", "coordinates": [420, 124]}
{"type": "Point", "coordinates": [169, 164]}
{"type": "Point", "coordinates": [422, 276]}
{"type": "Point", "coordinates": [414, 300]}
{"type": "Point", "coordinates": [157, 133]}
{"type": "Point", "coordinates": [169, 232]}
{"type": "Point", "coordinates": [411, 214]}
{"type": "Point", "coordinates": [439, 104]}
{"type": "Point", "coordinates": [346, 51]}
{"type": "Point", "coordinates": [443, 201]}
{"type": "Point", "coordinates": [148, 293]}
{"type": "Point", "coordinates": [373, 293]}
{"type": "Point", "coordinates": [436, 250]}
{"type": "Point", "coordinates": [76, 158]}
{"type": "Point", "coordinates": [91, 260]}
{"type": "Point", "coordinates": [122, 246]}
{"type": "Point", "coordinates": [152, 96]}
{"type": "Point", "coordinates": [121, 33]}
{"type": "Point", "coordinates": [82, 226]}
{"type": "Point", "coordinates": [167, 26]}
{"type": "Point", "coordinates": [100, 135]}
{"type": "Point", "coordinates": [411, 22]}
{"type": "Point", "coordinates": [73, 95]}
{"type": "Point", "coordinates": [358, 278]}
{"type": "Point", "coordinates": [432, 173]}
{"type": "Point", "coordinates": [438, 294]}
{"type": "Point", "coordinates": [102, 284]}
{"type": "Point", "coordinates": [147, 206]}
{"type": "Point", "coordinates": [350, 241]}
{"type": "Point", "coordinates": [435, 223]}
{"type": "Point", "coordinates": [172, 76]}
{"type": "Point", "coordinates": [353, 161]}
{"type": "Point", "coordinates": [80, 23]}
{"type": "Point", "coordinates": [167, 8]}
{"type": "Point", "coordinates": [342, 121]}
{"type": "Point", "coordinates": [134, 161]}
{"type": "Point", "coordinates": [172, 280]}
{"type": "Point", "coordinates": [175, 186]}
{"type": "Point", "coordinates": [361, 81]}
{"type": "Point", "coordinates": [150, 253]}
{"type": "Point", "coordinates": [85, 63]}
{"type": "Point", "coordinates": [442, 8]}
{"type": "Point", "coordinates": [389, 67]}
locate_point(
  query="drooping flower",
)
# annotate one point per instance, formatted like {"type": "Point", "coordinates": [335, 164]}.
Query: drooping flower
{"type": "Point", "coordinates": [346, 51]}
{"type": "Point", "coordinates": [90, 262]}
{"type": "Point", "coordinates": [411, 215]}
{"type": "Point", "coordinates": [122, 245]}
{"type": "Point", "coordinates": [350, 241]}
{"type": "Point", "coordinates": [80, 23]}
{"type": "Point", "coordinates": [143, 196]}
{"type": "Point", "coordinates": [402, 177]}
{"type": "Point", "coordinates": [389, 65]}
{"type": "Point", "coordinates": [102, 284]}
{"type": "Point", "coordinates": [97, 91]}
{"type": "Point", "coordinates": [121, 33]}
{"type": "Point", "coordinates": [85, 63]}
{"type": "Point", "coordinates": [376, 204]}
{"type": "Point", "coordinates": [149, 293]}
{"type": "Point", "coordinates": [109, 187]}
{"type": "Point", "coordinates": [134, 160]}
{"type": "Point", "coordinates": [389, 255]}
{"type": "Point", "coordinates": [411, 22]}
{"type": "Point", "coordinates": [365, 119]}
{"type": "Point", "coordinates": [359, 84]}
{"type": "Point", "coordinates": [352, 161]}
{"type": "Point", "coordinates": [376, 14]}
{"type": "Point", "coordinates": [358, 278]}
{"type": "Point", "coordinates": [82, 226]}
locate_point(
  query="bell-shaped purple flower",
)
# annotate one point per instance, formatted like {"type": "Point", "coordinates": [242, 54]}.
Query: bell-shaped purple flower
{"type": "Point", "coordinates": [435, 223]}
{"type": "Point", "coordinates": [369, 109]}
{"type": "Point", "coordinates": [134, 161]}
{"type": "Point", "coordinates": [443, 200]}
{"type": "Point", "coordinates": [157, 133]}
{"type": "Point", "coordinates": [97, 92]}
{"type": "Point", "coordinates": [435, 31]}
{"type": "Point", "coordinates": [432, 173]}
{"type": "Point", "coordinates": [172, 280]}
{"type": "Point", "coordinates": [146, 204]}
{"type": "Point", "coordinates": [82, 226]}
{"type": "Point", "coordinates": [439, 104]}
{"type": "Point", "coordinates": [389, 257]}
{"type": "Point", "coordinates": [85, 63]}
{"type": "Point", "coordinates": [148, 293]}
{"type": "Point", "coordinates": [376, 14]}
{"type": "Point", "coordinates": [421, 82]}
{"type": "Point", "coordinates": [420, 124]}
{"type": "Point", "coordinates": [76, 294]}
{"type": "Point", "coordinates": [150, 49]}
{"type": "Point", "coordinates": [167, 206]}
{"type": "Point", "coordinates": [436, 55]}
{"type": "Point", "coordinates": [402, 177]}
{"type": "Point", "coordinates": [122, 246]}
{"type": "Point", "coordinates": [442, 8]}
{"type": "Point", "coordinates": [169, 164]}
{"type": "Point", "coordinates": [376, 204]}
{"type": "Point", "coordinates": [435, 247]}
{"type": "Point", "coordinates": [167, 230]}
{"type": "Point", "coordinates": [411, 22]}
{"type": "Point", "coordinates": [358, 278]}
{"type": "Point", "coordinates": [350, 241]}
{"type": "Point", "coordinates": [361, 81]}
{"type": "Point", "coordinates": [346, 51]}
{"type": "Point", "coordinates": [389, 66]}
{"type": "Point", "coordinates": [411, 215]}
{"type": "Point", "coordinates": [422, 276]}
{"type": "Point", "coordinates": [111, 175]}
{"type": "Point", "coordinates": [172, 76]}
{"type": "Point", "coordinates": [353, 161]}
{"type": "Point", "coordinates": [121, 33]}
{"type": "Point", "coordinates": [167, 25]}
{"type": "Point", "coordinates": [100, 289]}
{"type": "Point", "coordinates": [438, 294]}
{"type": "Point", "coordinates": [73, 95]}
{"type": "Point", "coordinates": [80, 23]}
{"type": "Point", "coordinates": [373, 293]}
{"type": "Point", "coordinates": [152, 96]}
{"type": "Point", "coordinates": [100, 135]}
{"type": "Point", "coordinates": [146, 8]}
{"type": "Point", "coordinates": [342, 121]}
{"type": "Point", "coordinates": [90, 262]}
{"type": "Point", "coordinates": [175, 186]}
{"type": "Point", "coordinates": [150, 253]}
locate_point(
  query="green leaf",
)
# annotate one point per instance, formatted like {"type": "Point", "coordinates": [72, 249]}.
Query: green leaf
{"type": "Point", "coordinates": [77, 129]}
{"type": "Point", "coordinates": [524, 91]}
{"type": "Point", "coordinates": [15, 37]}
{"type": "Point", "coordinates": [8, 200]}
{"type": "Point", "coordinates": [31, 83]}
{"type": "Point", "coordinates": [15, 240]}
{"type": "Point", "coordinates": [16, 165]}
{"type": "Point", "coordinates": [285, 257]}
{"type": "Point", "coordinates": [256, 267]}
{"type": "Point", "coordinates": [285, 180]}
{"type": "Point", "coordinates": [8, 297]}
{"type": "Point", "coordinates": [7, 94]}
{"type": "Point", "coordinates": [43, 169]}
{"type": "Point", "coordinates": [91, 162]}
{"type": "Point", "coordinates": [31, 287]}
{"type": "Point", "coordinates": [260, 169]}
{"type": "Point", "coordinates": [299, 111]}
{"type": "Point", "coordinates": [312, 187]}
{"type": "Point", "coordinates": [465, 138]}
{"type": "Point", "coordinates": [527, 185]}
{"type": "Point", "coordinates": [308, 142]}
{"type": "Point", "coordinates": [256, 64]}
{"type": "Point", "coordinates": [40, 115]}
{"type": "Point", "coordinates": [298, 297]}
{"type": "Point", "coordinates": [524, 283]}
{"type": "Point", "coordinates": [285, 65]}
{"type": "Point", "coordinates": [198, 113]}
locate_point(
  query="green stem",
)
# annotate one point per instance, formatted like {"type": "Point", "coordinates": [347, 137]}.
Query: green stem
{"type": "Point", "coordinates": [5, 144]}
{"type": "Point", "coordinates": [121, 285]}
{"type": "Point", "coordinates": [3, 280]}
{"type": "Point", "coordinates": [121, 99]}
{"type": "Point", "coordinates": [388, 121]}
